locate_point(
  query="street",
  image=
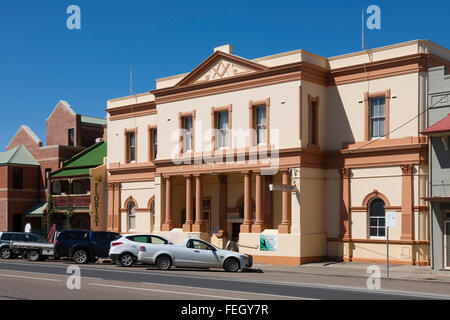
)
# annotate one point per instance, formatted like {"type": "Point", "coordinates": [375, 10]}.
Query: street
{"type": "Point", "coordinates": [21, 279]}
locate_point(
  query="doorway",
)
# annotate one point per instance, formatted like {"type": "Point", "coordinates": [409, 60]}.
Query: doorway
{"type": "Point", "coordinates": [17, 223]}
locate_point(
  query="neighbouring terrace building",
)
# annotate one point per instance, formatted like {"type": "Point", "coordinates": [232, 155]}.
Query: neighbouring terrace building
{"type": "Point", "coordinates": [67, 134]}
{"type": "Point", "coordinates": [295, 156]}
{"type": "Point", "coordinates": [439, 195]}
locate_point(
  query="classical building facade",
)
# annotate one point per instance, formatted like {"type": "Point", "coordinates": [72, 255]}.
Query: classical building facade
{"type": "Point", "coordinates": [439, 197]}
{"type": "Point", "coordinates": [295, 156]}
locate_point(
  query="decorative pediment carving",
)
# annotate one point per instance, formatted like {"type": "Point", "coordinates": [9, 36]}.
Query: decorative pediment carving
{"type": "Point", "coordinates": [219, 66]}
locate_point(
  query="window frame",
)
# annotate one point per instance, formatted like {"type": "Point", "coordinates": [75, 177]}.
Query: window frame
{"type": "Point", "coordinates": [253, 105]}
{"type": "Point", "coordinates": [215, 111]}
{"type": "Point", "coordinates": [152, 144]}
{"type": "Point", "coordinates": [69, 131]}
{"type": "Point", "coordinates": [367, 119]}
{"type": "Point", "coordinates": [129, 215]}
{"type": "Point", "coordinates": [313, 124]}
{"type": "Point", "coordinates": [127, 134]}
{"type": "Point", "coordinates": [378, 218]}
{"type": "Point", "coordinates": [17, 178]}
{"type": "Point", "coordinates": [181, 125]}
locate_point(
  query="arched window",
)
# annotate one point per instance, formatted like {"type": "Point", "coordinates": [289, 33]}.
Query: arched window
{"type": "Point", "coordinates": [377, 218]}
{"type": "Point", "coordinates": [152, 212]}
{"type": "Point", "coordinates": [131, 216]}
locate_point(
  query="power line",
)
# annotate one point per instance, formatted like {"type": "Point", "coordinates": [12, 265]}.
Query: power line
{"type": "Point", "coordinates": [401, 126]}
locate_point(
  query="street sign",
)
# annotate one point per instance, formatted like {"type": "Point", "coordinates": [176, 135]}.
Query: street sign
{"type": "Point", "coordinates": [391, 219]}
{"type": "Point", "coordinates": [282, 187]}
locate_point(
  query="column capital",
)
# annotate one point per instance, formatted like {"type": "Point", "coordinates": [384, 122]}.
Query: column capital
{"type": "Point", "coordinates": [407, 169]}
{"type": "Point", "coordinates": [345, 172]}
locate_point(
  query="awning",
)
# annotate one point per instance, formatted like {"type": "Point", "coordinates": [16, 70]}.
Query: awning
{"type": "Point", "coordinates": [441, 126]}
{"type": "Point", "coordinates": [37, 210]}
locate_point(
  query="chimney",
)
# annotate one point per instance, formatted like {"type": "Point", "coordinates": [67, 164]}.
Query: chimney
{"type": "Point", "coordinates": [228, 48]}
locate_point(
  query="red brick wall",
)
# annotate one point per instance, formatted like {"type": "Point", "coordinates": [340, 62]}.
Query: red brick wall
{"type": "Point", "coordinates": [88, 134]}
{"type": "Point", "coordinates": [58, 124]}
{"type": "Point", "coordinates": [23, 137]}
{"type": "Point", "coordinates": [14, 201]}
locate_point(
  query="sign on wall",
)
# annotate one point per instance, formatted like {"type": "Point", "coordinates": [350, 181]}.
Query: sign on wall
{"type": "Point", "coordinates": [268, 242]}
{"type": "Point", "coordinates": [98, 209]}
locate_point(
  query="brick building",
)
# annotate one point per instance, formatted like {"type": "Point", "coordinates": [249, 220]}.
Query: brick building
{"type": "Point", "coordinates": [67, 134]}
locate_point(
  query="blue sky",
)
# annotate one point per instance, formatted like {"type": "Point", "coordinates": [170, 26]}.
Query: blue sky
{"type": "Point", "coordinates": [42, 61]}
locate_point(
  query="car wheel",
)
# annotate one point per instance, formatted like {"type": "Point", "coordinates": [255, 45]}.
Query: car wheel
{"type": "Point", "coordinates": [6, 253]}
{"type": "Point", "coordinates": [163, 262]}
{"type": "Point", "coordinates": [231, 265]}
{"type": "Point", "coordinates": [126, 260]}
{"type": "Point", "coordinates": [81, 257]}
{"type": "Point", "coordinates": [33, 255]}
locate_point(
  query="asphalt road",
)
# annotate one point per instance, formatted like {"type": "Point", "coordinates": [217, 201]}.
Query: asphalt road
{"type": "Point", "coordinates": [21, 279]}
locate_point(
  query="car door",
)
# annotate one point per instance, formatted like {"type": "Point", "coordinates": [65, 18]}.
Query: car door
{"type": "Point", "coordinates": [136, 242]}
{"type": "Point", "coordinates": [100, 243]}
{"type": "Point", "coordinates": [203, 254]}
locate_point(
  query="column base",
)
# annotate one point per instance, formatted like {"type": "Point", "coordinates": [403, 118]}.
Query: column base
{"type": "Point", "coordinates": [187, 227]}
{"type": "Point", "coordinates": [258, 228]}
{"type": "Point", "coordinates": [199, 227]}
{"type": "Point", "coordinates": [284, 228]}
{"type": "Point", "coordinates": [167, 227]}
{"type": "Point", "coordinates": [407, 238]}
{"type": "Point", "coordinates": [246, 228]}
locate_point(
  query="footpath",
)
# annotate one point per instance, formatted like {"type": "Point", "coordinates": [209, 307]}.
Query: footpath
{"type": "Point", "coordinates": [356, 269]}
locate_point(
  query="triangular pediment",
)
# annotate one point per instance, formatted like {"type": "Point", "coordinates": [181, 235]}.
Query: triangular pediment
{"type": "Point", "coordinates": [220, 66]}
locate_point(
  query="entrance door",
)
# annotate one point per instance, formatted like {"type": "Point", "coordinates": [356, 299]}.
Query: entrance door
{"type": "Point", "coordinates": [235, 230]}
{"type": "Point", "coordinates": [17, 223]}
{"type": "Point", "coordinates": [447, 244]}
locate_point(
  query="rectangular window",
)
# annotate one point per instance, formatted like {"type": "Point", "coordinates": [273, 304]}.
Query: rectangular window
{"type": "Point", "coordinates": [222, 129]}
{"type": "Point", "coordinates": [17, 178]}
{"type": "Point", "coordinates": [187, 135]}
{"type": "Point", "coordinates": [47, 176]}
{"type": "Point", "coordinates": [261, 124]}
{"type": "Point", "coordinates": [313, 124]}
{"type": "Point", "coordinates": [377, 117]}
{"type": "Point", "coordinates": [155, 143]}
{"type": "Point", "coordinates": [71, 137]}
{"type": "Point", "coordinates": [131, 147]}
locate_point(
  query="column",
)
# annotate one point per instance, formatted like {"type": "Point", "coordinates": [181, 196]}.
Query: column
{"type": "Point", "coordinates": [268, 209]}
{"type": "Point", "coordinates": [117, 213]}
{"type": "Point", "coordinates": [187, 226]}
{"type": "Point", "coordinates": [259, 227]}
{"type": "Point", "coordinates": [285, 226]}
{"type": "Point", "coordinates": [168, 223]}
{"type": "Point", "coordinates": [345, 216]}
{"type": "Point", "coordinates": [246, 226]}
{"type": "Point", "coordinates": [223, 218]}
{"type": "Point", "coordinates": [110, 206]}
{"type": "Point", "coordinates": [407, 203]}
{"type": "Point", "coordinates": [199, 225]}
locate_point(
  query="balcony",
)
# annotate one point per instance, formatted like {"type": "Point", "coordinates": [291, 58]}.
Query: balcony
{"type": "Point", "coordinates": [79, 201]}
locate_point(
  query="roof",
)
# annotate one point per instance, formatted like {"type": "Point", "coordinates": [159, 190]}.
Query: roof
{"type": "Point", "coordinates": [439, 127]}
{"type": "Point", "coordinates": [18, 155]}
{"type": "Point", "coordinates": [37, 210]}
{"type": "Point", "coordinates": [70, 172]}
{"type": "Point", "coordinates": [93, 120]}
{"type": "Point", "coordinates": [81, 163]}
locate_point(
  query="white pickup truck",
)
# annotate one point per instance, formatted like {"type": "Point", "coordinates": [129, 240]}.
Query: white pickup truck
{"type": "Point", "coordinates": [193, 253]}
